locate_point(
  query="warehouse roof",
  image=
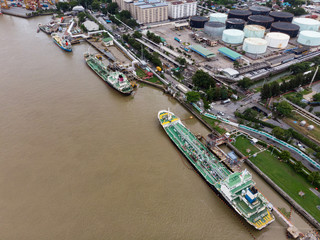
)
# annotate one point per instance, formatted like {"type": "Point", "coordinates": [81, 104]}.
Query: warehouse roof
{"type": "Point", "coordinates": [202, 51]}
{"type": "Point", "coordinates": [229, 53]}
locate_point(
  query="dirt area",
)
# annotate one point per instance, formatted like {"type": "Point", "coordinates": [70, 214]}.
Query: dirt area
{"type": "Point", "coordinates": [315, 133]}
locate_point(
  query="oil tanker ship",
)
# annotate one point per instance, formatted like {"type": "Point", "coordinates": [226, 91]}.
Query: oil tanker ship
{"type": "Point", "coordinates": [115, 79]}
{"type": "Point", "coordinates": [237, 189]}
{"type": "Point", "coordinates": [61, 42]}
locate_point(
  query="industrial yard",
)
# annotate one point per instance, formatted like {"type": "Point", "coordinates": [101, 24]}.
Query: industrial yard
{"type": "Point", "coordinates": [250, 36]}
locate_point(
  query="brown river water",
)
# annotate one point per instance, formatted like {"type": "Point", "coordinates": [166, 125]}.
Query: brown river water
{"type": "Point", "coordinates": [80, 161]}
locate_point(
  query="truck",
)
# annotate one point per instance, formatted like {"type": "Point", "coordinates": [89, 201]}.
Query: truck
{"type": "Point", "coordinates": [177, 39]}
{"type": "Point", "coordinates": [226, 101]}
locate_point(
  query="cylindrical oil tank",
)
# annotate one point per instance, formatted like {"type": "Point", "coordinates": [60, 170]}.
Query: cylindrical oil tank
{"type": "Point", "coordinates": [255, 45]}
{"type": "Point", "coordinates": [307, 24]}
{"type": "Point", "coordinates": [261, 20]}
{"type": "Point", "coordinates": [281, 16]}
{"type": "Point", "coordinates": [302, 123]}
{"type": "Point", "coordinates": [254, 31]}
{"type": "Point", "coordinates": [310, 127]}
{"type": "Point", "coordinates": [309, 38]}
{"type": "Point", "coordinates": [235, 23]}
{"type": "Point", "coordinates": [198, 21]}
{"type": "Point", "coordinates": [214, 29]}
{"type": "Point", "coordinates": [259, 10]}
{"type": "Point", "coordinates": [218, 17]}
{"type": "Point", "coordinates": [233, 36]}
{"type": "Point", "coordinates": [242, 14]}
{"type": "Point", "coordinates": [284, 27]}
{"type": "Point", "coordinates": [277, 40]}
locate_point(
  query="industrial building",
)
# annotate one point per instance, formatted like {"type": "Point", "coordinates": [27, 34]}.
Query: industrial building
{"type": "Point", "coordinates": [182, 8]}
{"type": "Point", "coordinates": [229, 53]}
{"type": "Point", "coordinates": [202, 51]}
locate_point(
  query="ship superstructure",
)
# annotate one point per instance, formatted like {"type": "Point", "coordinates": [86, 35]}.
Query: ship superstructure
{"type": "Point", "coordinates": [115, 79]}
{"type": "Point", "coordinates": [62, 42]}
{"type": "Point", "coordinates": [237, 189]}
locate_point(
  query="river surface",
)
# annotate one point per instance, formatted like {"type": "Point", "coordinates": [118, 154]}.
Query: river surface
{"type": "Point", "coordinates": [80, 161]}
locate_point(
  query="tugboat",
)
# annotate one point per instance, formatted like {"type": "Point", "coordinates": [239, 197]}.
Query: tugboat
{"type": "Point", "coordinates": [62, 42]}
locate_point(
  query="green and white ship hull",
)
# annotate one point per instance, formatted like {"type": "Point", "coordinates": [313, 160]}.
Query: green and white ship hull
{"type": "Point", "coordinates": [236, 189]}
{"type": "Point", "coordinates": [115, 79]}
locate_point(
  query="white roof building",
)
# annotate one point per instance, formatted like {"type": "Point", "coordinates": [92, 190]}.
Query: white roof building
{"type": "Point", "coordinates": [91, 26]}
{"type": "Point", "coordinates": [78, 9]}
{"type": "Point", "coordinates": [230, 72]}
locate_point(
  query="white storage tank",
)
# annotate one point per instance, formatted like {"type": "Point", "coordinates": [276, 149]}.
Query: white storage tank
{"type": "Point", "coordinates": [214, 29]}
{"type": "Point", "coordinates": [309, 38]}
{"type": "Point", "coordinates": [310, 127]}
{"type": "Point", "coordinates": [233, 36]}
{"type": "Point", "coordinates": [255, 45]}
{"type": "Point", "coordinates": [277, 39]}
{"type": "Point", "coordinates": [218, 17]}
{"type": "Point", "coordinates": [307, 24]}
{"type": "Point", "coordinates": [254, 31]}
{"type": "Point", "coordinates": [302, 123]}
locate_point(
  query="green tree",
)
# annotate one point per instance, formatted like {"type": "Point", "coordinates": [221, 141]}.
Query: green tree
{"type": "Point", "coordinates": [250, 113]}
{"type": "Point", "coordinates": [298, 167]}
{"type": "Point", "coordinates": [314, 177]}
{"type": "Point", "coordinates": [64, 6]}
{"type": "Point", "coordinates": [281, 133]}
{"type": "Point", "coordinates": [81, 17]}
{"type": "Point", "coordinates": [203, 80]}
{"type": "Point", "coordinates": [112, 8]}
{"type": "Point", "coordinates": [285, 156]}
{"type": "Point", "coordinates": [275, 89]}
{"type": "Point", "coordinates": [181, 60]}
{"type": "Point", "coordinates": [284, 109]}
{"type": "Point", "coordinates": [316, 97]}
{"type": "Point", "coordinates": [95, 5]}
{"type": "Point", "coordinates": [137, 34]}
{"type": "Point", "coordinates": [245, 83]}
{"type": "Point", "coordinates": [299, 67]}
{"type": "Point", "coordinates": [124, 15]}
{"type": "Point", "coordinates": [193, 96]}
{"type": "Point", "coordinates": [266, 91]}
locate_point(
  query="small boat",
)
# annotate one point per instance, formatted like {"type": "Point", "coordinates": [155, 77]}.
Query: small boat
{"type": "Point", "coordinates": [62, 42]}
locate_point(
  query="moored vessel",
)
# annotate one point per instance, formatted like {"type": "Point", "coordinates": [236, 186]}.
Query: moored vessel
{"type": "Point", "coordinates": [44, 28]}
{"type": "Point", "coordinates": [62, 42]}
{"type": "Point", "coordinates": [115, 79]}
{"type": "Point", "coordinates": [236, 189]}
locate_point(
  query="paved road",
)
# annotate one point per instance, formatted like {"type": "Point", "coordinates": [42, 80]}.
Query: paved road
{"type": "Point", "coordinates": [293, 154]}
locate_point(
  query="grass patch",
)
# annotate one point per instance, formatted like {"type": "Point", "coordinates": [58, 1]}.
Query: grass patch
{"type": "Point", "coordinates": [291, 182]}
{"type": "Point", "coordinates": [142, 74]}
{"type": "Point", "coordinates": [215, 124]}
{"type": "Point", "coordinates": [242, 144]}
